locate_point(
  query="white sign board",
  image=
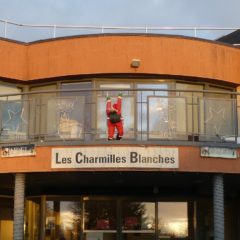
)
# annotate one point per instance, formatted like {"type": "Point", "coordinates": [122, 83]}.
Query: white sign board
{"type": "Point", "coordinates": [115, 157]}
{"type": "Point", "coordinates": [18, 150]}
{"type": "Point", "coordinates": [218, 152]}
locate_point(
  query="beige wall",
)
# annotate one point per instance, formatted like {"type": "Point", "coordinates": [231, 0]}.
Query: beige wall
{"type": "Point", "coordinates": [113, 54]}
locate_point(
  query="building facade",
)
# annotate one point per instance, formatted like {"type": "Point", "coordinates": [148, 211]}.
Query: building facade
{"type": "Point", "coordinates": [175, 174]}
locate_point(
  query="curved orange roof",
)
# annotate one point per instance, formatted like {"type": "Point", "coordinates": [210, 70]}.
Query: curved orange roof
{"type": "Point", "coordinates": [103, 54]}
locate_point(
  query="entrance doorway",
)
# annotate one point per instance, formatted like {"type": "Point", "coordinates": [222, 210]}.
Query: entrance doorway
{"type": "Point", "coordinates": [114, 218]}
{"type": "Point", "coordinates": [6, 218]}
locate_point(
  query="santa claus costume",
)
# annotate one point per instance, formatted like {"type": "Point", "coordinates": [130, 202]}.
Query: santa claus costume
{"type": "Point", "coordinates": [116, 122]}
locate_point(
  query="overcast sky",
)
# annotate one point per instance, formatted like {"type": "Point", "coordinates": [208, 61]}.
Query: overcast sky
{"type": "Point", "coordinates": [158, 13]}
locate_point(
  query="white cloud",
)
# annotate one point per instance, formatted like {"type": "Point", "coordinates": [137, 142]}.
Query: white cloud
{"type": "Point", "coordinates": [121, 13]}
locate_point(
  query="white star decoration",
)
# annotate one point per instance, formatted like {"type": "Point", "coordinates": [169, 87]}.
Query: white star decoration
{"type": "Point", "coordinates": [15, 120]}
{"type": "Point", "coordinates": [166, 124]}
{"type": "Point", "coordinates": [65, 108]}
{"type": "Point", "coordinates": [216, 118]}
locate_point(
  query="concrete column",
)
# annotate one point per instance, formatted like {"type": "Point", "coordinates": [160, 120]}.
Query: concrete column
{"type": "Point", "coordinates": [19, 195]}
{"type": "Point", "coordinates": [218, 206]}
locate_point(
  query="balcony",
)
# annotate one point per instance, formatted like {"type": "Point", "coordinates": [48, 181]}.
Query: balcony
{"type": "Point", "coordinates": [168, 117]}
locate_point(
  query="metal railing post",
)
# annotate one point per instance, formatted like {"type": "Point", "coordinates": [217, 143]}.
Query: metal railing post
{"type": "Point", "coordinates": [5, 29]}
{"type": "Point", "coordinates": [54, 31]}
{"type": "Point", "coordinates": [195, 32]}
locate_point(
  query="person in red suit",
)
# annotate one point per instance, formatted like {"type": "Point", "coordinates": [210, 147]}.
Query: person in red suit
{"type": "Point", "coordinates": [114, 118]}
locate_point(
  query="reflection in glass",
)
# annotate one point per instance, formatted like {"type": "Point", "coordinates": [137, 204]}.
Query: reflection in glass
{"type": "Point", "coordinates": [138, 216]}
{"type": "Point", "coordinates": [100, 215]}
{"type": "Point", "coordinates": [32, 219]}
{"type": "Point", "coordinates": [167, 117]}
{"type": "Point", "coordinates": [65, 117]}
{"type": "Point", "coordinates": [63, 220]}
{"type": "Point", "coordinates": [172, 219]}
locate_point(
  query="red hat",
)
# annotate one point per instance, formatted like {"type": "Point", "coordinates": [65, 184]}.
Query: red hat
{"type": "Point", "coordinates": [115, 105]}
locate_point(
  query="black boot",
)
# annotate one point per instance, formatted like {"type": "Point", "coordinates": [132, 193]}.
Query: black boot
{"type": "Point", "coordinates": [118, 138]}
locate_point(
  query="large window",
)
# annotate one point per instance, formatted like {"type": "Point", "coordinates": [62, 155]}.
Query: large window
{"type": "Point", "coordinates": [172, 220]}
{"type": "Point", "coordinates": [63, 219]}
{"type": "Point", "coordinates": [32, 218]}
{"type": "Point", "coordinates": [100, 219]}
{"type": "Point", "coordinates": [138, 220]}
{"type": "Point", "coordinates": [106, 218]}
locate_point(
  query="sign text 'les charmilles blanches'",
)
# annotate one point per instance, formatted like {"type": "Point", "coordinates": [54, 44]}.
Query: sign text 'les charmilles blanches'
{"type": "Point", "coordinates": [115, 157]}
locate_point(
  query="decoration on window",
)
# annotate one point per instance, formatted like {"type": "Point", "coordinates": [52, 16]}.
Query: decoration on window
{"type": "Point", "coordinates": [162, 118]}
{"type": "Point", "coordinates": [14, 122]}
{"type": "Point", "coordinates": [68, 126]}
{"type": "Point", "coordinates": [216, 118]}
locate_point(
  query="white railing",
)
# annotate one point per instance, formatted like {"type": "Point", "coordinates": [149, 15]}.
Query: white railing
{"type": "Point", "coordinates": [194, 31]}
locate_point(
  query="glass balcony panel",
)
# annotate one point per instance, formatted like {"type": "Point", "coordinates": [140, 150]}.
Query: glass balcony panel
{"type": "Point", "coordinates": [150, 114]}
{"type": "Point", "coordinates": [219, 119]}
{"type": "Point", "coordinates": [88, 95]}
{"type": "Point", "coordinates": [65, 118]}
{"type": "Point", "coordinates": [167, 118]}
{"type": "Point", "coordinates": [142, 121]}
{"type": "Point", "coordinates": [142, 97]}
{"type": "Point", "coordinates": [41, 107]}
{"type": "Point", "coordinates": [192, 98]}
{"type": "Point", "coordinates": [15, 120]}
{"type": "Point", "coordinates": [127, 113]}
